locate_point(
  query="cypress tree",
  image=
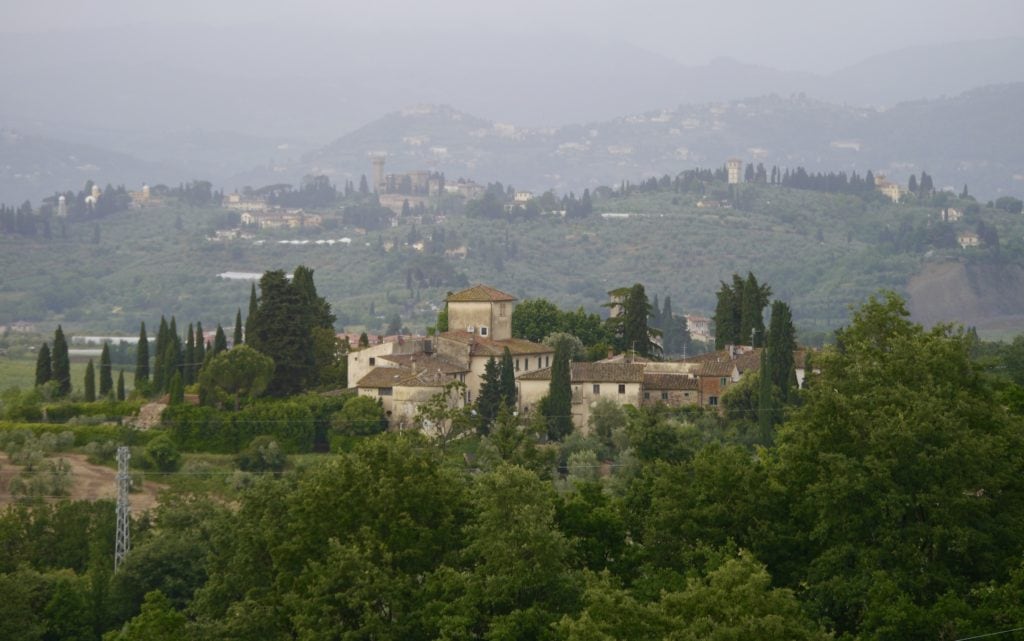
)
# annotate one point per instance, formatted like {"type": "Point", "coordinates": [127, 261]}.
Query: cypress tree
{"type": "Point", "coordinates": [106, 373]}
{"type": "Point", "coordinates": [283, 330]}
{"type": "Point", "coordinates": [44, 368]}
{"type": "Point", "coordinates": [200, 348]}
{"type": "Point", "coordinates": [237, 338]}
{"type": "Point", "coordinates": [489, 400]}
{"type": "Point", "coordinates": [142, 358]}
{"type": "Point", "coordinates": [670, 337]}
{"type": "Point", "coordinates": [636, 334]}
{"type": "Point", "coordinates": [364, 340]}
{"type": "Point", "coordinates": [557, 405]}
{"type": "Point", "coordinates": [120, 385]}
{"type": "Point", "coordinates": [176, 390]}
{"type": "Point", "coordinates": [159, 368]}
{"type": "Point", "coordinates": [188, 370]}
{"type": "Point", "coordinates": [317, 306]}
{"type": "Point", "coordinates": [509, 393]}
{"type": "Point", "coordinates": [90, 382]}
{"type": "Point", "coordinates": [726, 328]}
{"type": "Point", "coordinates": [220, 341]}
{"type": "Point", "coordinates": [61, 369]}
{"type": "Point", "coordinates": [781, 343]}
{"type": "Point", "coordinates": [253, 306]}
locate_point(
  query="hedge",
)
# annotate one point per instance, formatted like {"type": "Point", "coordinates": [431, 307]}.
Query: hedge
{"type": "Point", "coordinates": [85, 434]}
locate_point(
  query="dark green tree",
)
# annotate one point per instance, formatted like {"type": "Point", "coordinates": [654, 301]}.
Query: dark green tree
{"type": "Point", "coordinates": [903, 498]}
{"type": "Point", "coordinates": [630, 328]}
{"type": "Point", "coordinates": [188, 370]}
{"type": "Point", "coordinates": [536, 318]}
{"type": "Point", "coordinates": [44, 366]}
{"type": "Point", "coordinates": [364, 340]}
{"type": "Point", "coordinates": [780, 347]}
{"type": "Point", "coordinates": [318, 307]}
{"type": "Point", "coordinates": [282, 330]}
{"type": "Point", "coordinates": [159, 366]}
{"type": "Point", "coordinates": [509, 393]}
{"type": "Point", "coordinates": [142, 358]}
{"type": "Point", "coordinates": [220, 341]}
{"type": "Point", "coordinates": [61, 363]}
{"type": "Point", "coordinates": [729, 313]}
{"type": "Point", "coordinates": [237, 338]}
{"type": "Point", "coordinates": [200, 348]}
{"type": "Point", "coordinates": [766, 411]}
{"type": "Point", "coordinates": [120, 385]}
{"type": "Point", "coordinates": [106, 372]}
{"type": "Point", "coordinates": [253, 305]}
{"type": "Point", "coordinates": [176, 389]}
{"type": "Point", "coordinates": [556, 407]}
{"type": "Point", "coordinates": [753, 300]}
{"type": "Point", "coordinates": [90, 382]}
{"type": "Point", "coordinates": [489, 399]}
{"type": "Point", "coordinates": [442, 320]}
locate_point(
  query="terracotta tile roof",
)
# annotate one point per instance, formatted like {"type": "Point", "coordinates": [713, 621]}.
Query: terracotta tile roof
{"type": "Point", "coordinates": [426, 362]}
{"type": "Point", "coordinates": [670, 382]}
{"type": "Point", "coordinates": [716, 368]}
{"type": "Point", "coordinates": [426, 378]}
{"type": "Point", "coordinates": [480, 293]}
{"type": "Point", "coordinates": [482, 346]}
{"type": "Point", "coordinates": [625, 358]}
{"type": "Point", "coordinates": [594, 373]}
{"type": "Point", "coordinates": [384, 377]}
{"type": "Point", "coordinates": [749, 361]}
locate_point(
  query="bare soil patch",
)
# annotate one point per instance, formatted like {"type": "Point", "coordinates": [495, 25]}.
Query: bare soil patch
{"type": "Point", "coordinates": [88, 483]}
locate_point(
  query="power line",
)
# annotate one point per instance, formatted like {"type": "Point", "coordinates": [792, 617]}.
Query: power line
{"type": "Point", "coordinates": [990, 634]}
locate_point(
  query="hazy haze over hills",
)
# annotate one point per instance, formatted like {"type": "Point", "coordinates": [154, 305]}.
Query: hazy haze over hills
{"type": "Point", "coordinates": [209, 91]}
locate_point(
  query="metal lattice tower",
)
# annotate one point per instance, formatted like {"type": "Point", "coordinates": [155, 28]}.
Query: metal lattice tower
{"type": "Point", "coordinates": [122, 542]}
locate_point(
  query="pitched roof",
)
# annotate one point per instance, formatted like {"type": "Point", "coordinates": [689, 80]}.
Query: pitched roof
{"type": "Point", "coordinates": [402, 377]}
{"type": "Point", "coordinates": [480, 293]}
{"type": "Point", "coordinates": [483, 346]}
{"type": "Point", "coordinates": [670, 382]}
{"type": "Point", "coordinates": [594, 373]}
{"type": "Point", "coordinates": [384, 377]}
{"type": "Point", "coordinates": [716, 368]}
{"type": "Point", "coordinates": [426, 362]}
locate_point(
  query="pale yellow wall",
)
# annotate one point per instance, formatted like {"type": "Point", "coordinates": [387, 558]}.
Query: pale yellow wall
{"type": "Point", "coordinates": [583, 398]}
{"type": "Point", "coordinates": [374, 393]}
{"type": "Point", "coordinates": [463, 315]}
{"type": "Point", "coordinates": [359, 361]}
{"type": "Point", "coordinates": [406, 403]}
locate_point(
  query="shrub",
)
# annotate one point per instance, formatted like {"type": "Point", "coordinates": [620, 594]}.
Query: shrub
{"type": "Point", "coordinates": [262, 455]}
{"type": "Point", "coordinates": [361, 416]}
{"type": "Point", "coordinates": [163, 454]}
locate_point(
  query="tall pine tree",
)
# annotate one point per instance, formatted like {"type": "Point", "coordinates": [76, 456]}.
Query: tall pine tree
{"type": "Point", "coordinates": [220, 341]}
{"type": "Point", "coordinates": [253, 306]}
{"type": "Point", "coordinates": [106, 372]}
{"type": "Point", "coordinates": [90, 382]}
{"type": "Point", "coordinates": [120, 385]}
{"type": "Point", "coordinates": [489, 399]}
{"type": "Point", "coordinates": [188, 370]}
{"type": "Point", "coordinates": [556, 407]}
{"type": "Point", "coordinates": [237, 338]}
{"type": "Point", "coordinates": [781, 343]}
{"type": "Point", "coordinates": [44, 366]}
{"type": "Point", "coordinates": [282, 329]}
{"type": "Point", "coordinates": [509, 393]}
{"type": "Point", "coordinates": [61, 363]}
{"type": "Point", "coordinates": [142, 358]}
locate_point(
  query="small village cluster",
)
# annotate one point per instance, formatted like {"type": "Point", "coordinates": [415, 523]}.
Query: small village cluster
{"type": "Point", "coordinates": [406, 373]}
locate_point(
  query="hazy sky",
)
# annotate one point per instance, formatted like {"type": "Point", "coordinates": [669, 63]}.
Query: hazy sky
{"type": "Point", "coordinates": [805, 35]}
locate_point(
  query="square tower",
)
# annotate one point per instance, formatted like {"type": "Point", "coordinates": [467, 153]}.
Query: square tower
{"type": "Point", "coordinates": [481, 310]}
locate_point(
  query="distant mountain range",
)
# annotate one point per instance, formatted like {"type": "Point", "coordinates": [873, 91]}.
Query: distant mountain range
{"type": "Point", "coordinates": [174, 108]}
{"type": "Point", "coordinates": [973, 138]}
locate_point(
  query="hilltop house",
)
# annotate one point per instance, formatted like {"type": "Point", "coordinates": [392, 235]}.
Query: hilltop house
{"type": "Point", "coordinates": [403, 374]}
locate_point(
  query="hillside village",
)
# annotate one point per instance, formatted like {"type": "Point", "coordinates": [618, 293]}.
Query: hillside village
{"type": "Point", "coordinates": [405, 374]}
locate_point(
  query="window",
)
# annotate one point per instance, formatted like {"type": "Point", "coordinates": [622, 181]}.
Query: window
{"type": "Point", "coordinates": [483, 330]}
{"type": "Point", "coordinates": [538, 363]}
{"type": "Point", "coordinates": [712, 400]}
{"type": "Point", "coordinates": [501, 310]}
{"type": "Point", "coordinates": [664, 396]}
{"type": "Point", "coordinates": [383, 391]}
{"type": "Point", "coordinates": [597, 389]}
{"type": "Point", "coordinates": [547, 361]}
{"type": "Point", "coordinates": [517, 364]}
{"type": "Point", "coordinates": [722, 382]}
{"type": "Point", "coordinates": [526, 364]}
{"type": "Point", "coordinates": [373, 361]}
{"type": "Point", "coordinates": [647, 396]}
{"type": "Point", "coordinates": [622, 388]}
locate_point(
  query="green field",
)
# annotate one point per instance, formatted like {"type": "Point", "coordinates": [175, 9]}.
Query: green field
{"type": "Point", "coordinates": [21, 373]}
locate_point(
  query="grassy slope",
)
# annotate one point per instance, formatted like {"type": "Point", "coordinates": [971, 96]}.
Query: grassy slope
{"type": "Point", "coordinates": [145, 266]}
